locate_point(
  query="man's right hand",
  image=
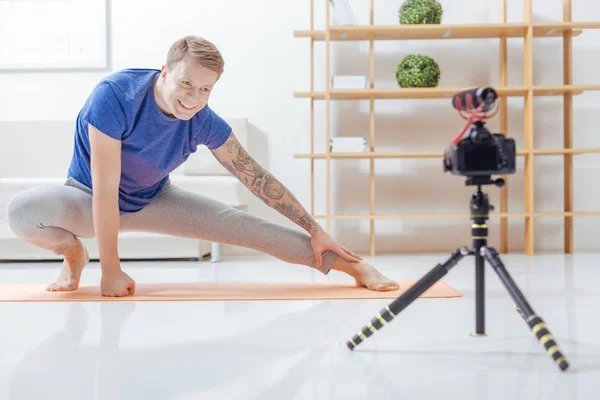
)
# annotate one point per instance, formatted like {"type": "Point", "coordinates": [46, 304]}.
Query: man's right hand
{"type": "Point", "coordinates": [116, 284]}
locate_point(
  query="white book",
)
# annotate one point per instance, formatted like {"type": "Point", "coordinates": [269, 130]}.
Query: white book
{"type": "Point", "coordinates": [333, 146]}
{"type": "Point", "coordinates": [335, 149]}
{"type": "Point", "coordinates": [348, 141]}
{"type": "Point", "coordinates": [356, 146]}
{"type": "Point", "coordinates": [348, 144]}
{"type": "Point", "coordinates": [347, 138]}
{"type": "Point", "coordinates": [349, 82]}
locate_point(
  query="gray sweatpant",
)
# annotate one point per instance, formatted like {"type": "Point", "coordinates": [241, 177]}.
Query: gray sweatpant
{"type": "Point", "coordinates": [50, 216]}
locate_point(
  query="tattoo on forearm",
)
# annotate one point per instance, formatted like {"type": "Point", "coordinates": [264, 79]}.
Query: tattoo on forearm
{"type": "Point", "coordinates": [294, 213]}
{"type": "Point", "coordinates": [266, 186]}
{"type": "Point", "coordinates": [273, 189]}
{"type": "Point", "coordinates": [245, 165]}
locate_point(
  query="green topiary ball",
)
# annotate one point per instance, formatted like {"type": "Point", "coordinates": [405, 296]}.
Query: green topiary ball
{"type": "Point", "coordinates": [418, 71]}
{"type": "Point", "coordinates": [420, 12]}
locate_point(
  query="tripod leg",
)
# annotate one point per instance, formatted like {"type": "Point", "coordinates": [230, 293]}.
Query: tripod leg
{"type": "Point", "coordinates": [537, 325]}
{"type": "Point", "coordinates": [394, 308]}
{"type": "Point", "coordinates": [479, 295]}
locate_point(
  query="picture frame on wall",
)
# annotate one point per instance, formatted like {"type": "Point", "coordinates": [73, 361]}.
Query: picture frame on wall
{"type": "Point", "coordinates": [54, 35]}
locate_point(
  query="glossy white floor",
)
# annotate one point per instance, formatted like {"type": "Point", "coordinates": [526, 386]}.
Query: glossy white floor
{"type": "Point", "coordinates": [296, 349]}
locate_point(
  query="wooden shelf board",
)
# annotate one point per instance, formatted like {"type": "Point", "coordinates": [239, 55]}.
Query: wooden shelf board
{"type": "Point", "coordinates": [566, 214]}
{"type": "Point", "coordinates": [554, 29]}
{"type": "Point", "coordinates": [440, 93]}
{"type": "Point", "coordinates": [446, 31]}
{"type": "Point", "coordinates": [553, 152]}
{"type": "Point", "coordinates": [439, 154]}
{"type": "Point", "coordinates": [402, 93]}
{"type": "Point", "coordinates": [414, 154]}
{"type": "Point", "coordinates": [563, 89]}
{"type": "Point", "coordinates": [416, 32]}
{"type": "Point", "coordinates": [463, 215]}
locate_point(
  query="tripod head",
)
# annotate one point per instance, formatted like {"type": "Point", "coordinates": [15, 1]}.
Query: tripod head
{"type": "Point", "coordinates": [480, 206]}
{"type": "Point", "coordinates": [484, 180]}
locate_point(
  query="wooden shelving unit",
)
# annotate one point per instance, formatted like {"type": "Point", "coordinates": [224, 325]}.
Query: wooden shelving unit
{"type": "Point", "coordinates": [527, 30]}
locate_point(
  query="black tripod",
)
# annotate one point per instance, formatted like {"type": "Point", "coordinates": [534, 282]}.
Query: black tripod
{"type": "Point", "coordinates": [480, 209]}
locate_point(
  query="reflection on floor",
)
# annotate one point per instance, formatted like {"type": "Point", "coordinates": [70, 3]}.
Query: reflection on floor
{"type": "Point", "coordinates": [296, 349]}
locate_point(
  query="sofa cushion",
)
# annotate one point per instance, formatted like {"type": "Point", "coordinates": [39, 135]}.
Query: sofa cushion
{"type": "Point", "coordinates": [35, 148]}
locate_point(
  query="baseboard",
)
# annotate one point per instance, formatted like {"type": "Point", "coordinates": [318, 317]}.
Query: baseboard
{"type": "Point", "coordinates": [229, 250]}
{"type": "Point", "coordinates": [145, 246]}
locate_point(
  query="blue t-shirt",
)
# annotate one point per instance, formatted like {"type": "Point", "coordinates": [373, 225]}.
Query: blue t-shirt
{"type": "Point", "coordinates": [123, 106]}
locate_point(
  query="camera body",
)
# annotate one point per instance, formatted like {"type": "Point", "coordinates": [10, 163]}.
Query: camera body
{"type": "Point", "coordinates": [481, 153]}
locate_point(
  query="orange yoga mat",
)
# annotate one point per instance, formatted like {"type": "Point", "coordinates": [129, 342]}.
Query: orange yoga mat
{"type": "Point", "coordinates": [211, 291]}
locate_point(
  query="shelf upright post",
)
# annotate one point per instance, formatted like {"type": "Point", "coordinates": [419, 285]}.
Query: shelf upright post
{"type": "Point", "coordinates": [528, 128]}
{"type": "Point", "coordinates": [568, 127]}
{"type": "Point", "coordinates": [312, 108]}
{"type": "Point", "coordinates": [327, 119]}
{"type": "Point", "coordinates": [372, 133]}
{"type": "Point", "coordinates": [504, 127]}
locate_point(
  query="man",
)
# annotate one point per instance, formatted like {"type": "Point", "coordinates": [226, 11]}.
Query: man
{"type": "Point", "coordinates": [136, 127]}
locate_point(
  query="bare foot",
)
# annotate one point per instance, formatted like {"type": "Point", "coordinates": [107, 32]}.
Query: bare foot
{"type": "Point", "coordinates": [76, 257]}
{"type": "Point", "coordinates": [366, 275]}
{"type": "Point", "coordinates": [116, 284]}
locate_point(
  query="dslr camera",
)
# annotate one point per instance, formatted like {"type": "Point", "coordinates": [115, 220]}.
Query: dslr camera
{"type": "Point", "coordinates": [476, 151]}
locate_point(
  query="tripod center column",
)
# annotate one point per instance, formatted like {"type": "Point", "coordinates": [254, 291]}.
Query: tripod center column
{"type": "Point", "coordinates": [479, 231]}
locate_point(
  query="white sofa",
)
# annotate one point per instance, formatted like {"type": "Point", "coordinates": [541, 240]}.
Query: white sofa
{"type": "Point", "coordinates": [38, 152]}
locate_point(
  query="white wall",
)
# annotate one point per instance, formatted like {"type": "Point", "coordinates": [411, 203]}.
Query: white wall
{"type": "Point", "coordinates": [265, 65]}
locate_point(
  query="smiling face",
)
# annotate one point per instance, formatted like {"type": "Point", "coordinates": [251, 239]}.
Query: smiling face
{"type": "Point", "coordinates": [192, 68]}
{"type": "Point", "coordinates": [183, 90]}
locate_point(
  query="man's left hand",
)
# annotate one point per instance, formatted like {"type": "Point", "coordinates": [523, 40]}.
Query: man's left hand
{"type": "Point", "coordinates": [322, 242]}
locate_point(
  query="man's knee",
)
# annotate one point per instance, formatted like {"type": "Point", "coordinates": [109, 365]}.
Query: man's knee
{"type": "Point", "coordinates": [25, 209]}
{"type": "Point", "coordinates": [18, 209]}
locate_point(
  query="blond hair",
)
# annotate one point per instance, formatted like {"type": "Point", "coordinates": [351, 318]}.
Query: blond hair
{"type": "Point", "coordinates": [202, 51]}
